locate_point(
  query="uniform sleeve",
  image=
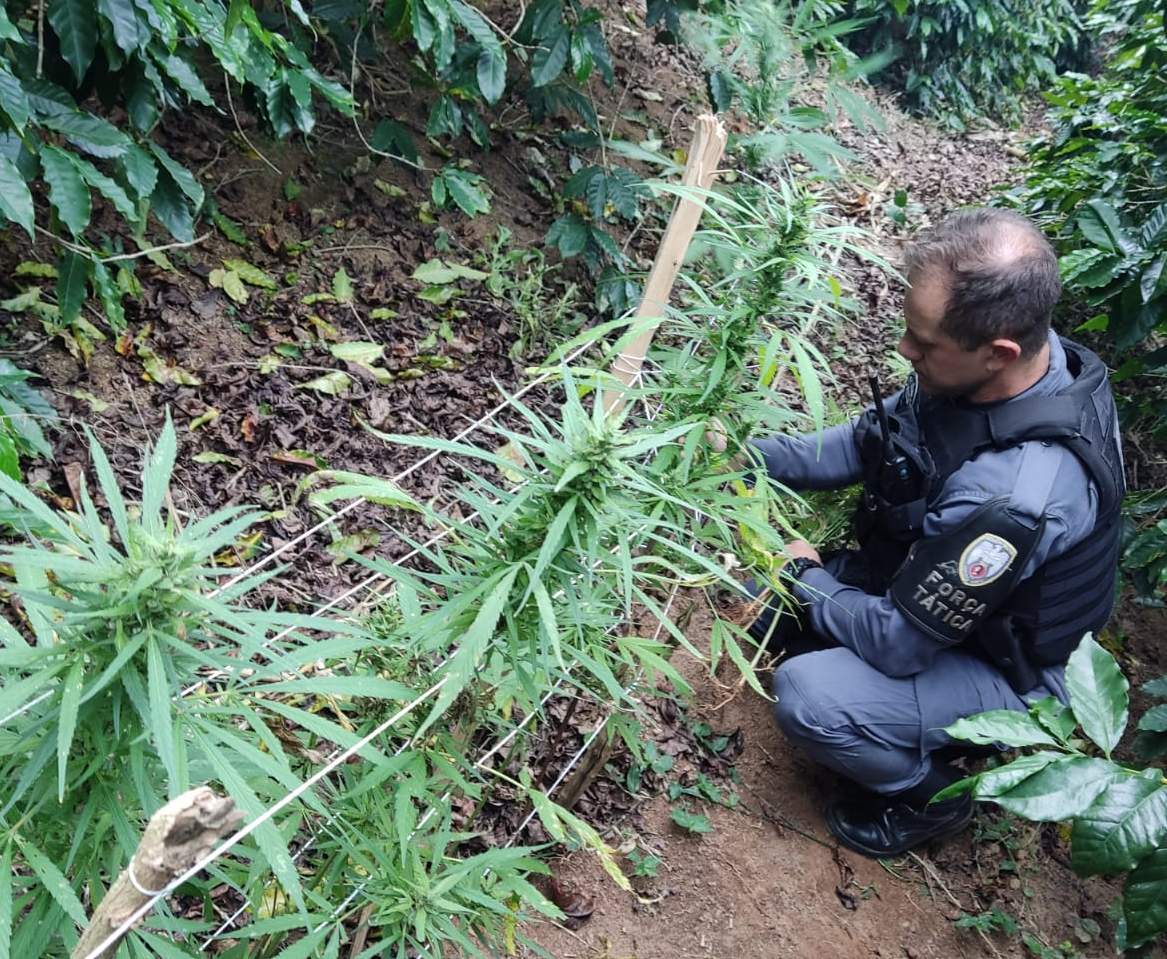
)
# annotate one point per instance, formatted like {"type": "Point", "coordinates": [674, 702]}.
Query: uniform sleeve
{"type": "Point", "coordinates": [826, 460]}
{"type": "Point", "coordinates": [876, 631]}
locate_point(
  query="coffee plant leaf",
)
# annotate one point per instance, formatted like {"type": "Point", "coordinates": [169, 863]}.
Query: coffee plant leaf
{"type": "Point", "coordinates": [1098, 694]}
{"type": "Point", "coordinates": [67, 190]}
{"type": "Point", "coordinates": [1063, 789]}
{"type": "Point", "coordinates": [1144, 899]}
{"type": "Point", "coordinates": [1125, 823]}
{"type": "Point", "coordinates": [15, 197]}
{"type": "Point", "coordinates": [1005, 726]}
{"type": "Point", "coordinates": [75, 24]}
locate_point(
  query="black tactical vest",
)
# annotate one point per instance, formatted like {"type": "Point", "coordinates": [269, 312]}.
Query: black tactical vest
{"type": "Point", "coordinates": [1046, 615]}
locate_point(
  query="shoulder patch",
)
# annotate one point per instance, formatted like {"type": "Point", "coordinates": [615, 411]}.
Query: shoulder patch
{"type": "Point", "coordinates": [985, 560]}
{"type": "Point", "coordinates": [951, 583]}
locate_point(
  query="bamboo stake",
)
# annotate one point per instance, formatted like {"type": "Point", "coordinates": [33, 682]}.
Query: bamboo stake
{"type": "Point", "coordinates": [700, 171]}
{"type": "Point", "coordinates": [177, 836]}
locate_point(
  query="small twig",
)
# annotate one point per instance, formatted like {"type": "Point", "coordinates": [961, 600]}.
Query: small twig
{"type": "Point", "coordinates": [121, 257]}
{"type": "Point", "coordinates": [352, 92]}
{"type": "Point", "coordinates": [930, 870]}
{"type": "Point", "coordinates": [40, 39]}
{"type": "Point", "coordinates": [239, 128]}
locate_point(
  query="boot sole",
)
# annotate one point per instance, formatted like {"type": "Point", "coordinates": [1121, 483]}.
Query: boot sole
{"type": "Point", "coordinates": [948, 833]}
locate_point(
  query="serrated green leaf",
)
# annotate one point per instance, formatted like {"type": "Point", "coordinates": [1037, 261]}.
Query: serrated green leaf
{"type": "Point", "coordinates": [67, 721]}
{"type": "Point", "coordinates": [53, 881]}
{"type": "Point", "coordinates": [67, 190]}
{"type": "Point", "coordinates": [15, 197]}
{"type": "Point", "coordinates": [1126, 823]}
{"type": "Point", "coordinates": [1098, 693]}
{"type": "Point", "coordinates": [6, 910]}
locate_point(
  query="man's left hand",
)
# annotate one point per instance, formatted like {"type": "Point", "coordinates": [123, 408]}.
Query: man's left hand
{"type": "Point", "coordinates": [801, 549]}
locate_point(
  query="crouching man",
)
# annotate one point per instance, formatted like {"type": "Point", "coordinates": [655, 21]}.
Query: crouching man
{"type": "Point", "coordinates": [989, 534]}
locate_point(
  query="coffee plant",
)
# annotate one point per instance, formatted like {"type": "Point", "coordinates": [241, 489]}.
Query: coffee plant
{"type": "Point", "coordinates": [971, 58]}
{"type": "Point", "coordinates": [1118, 813]}
{"type": "Point", "coordinates": [1096, 183]}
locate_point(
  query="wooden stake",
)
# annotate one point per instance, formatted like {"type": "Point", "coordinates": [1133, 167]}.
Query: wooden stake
{"type": "Point", "coordinates": [701, 170]}
{"type": "Point", "coordinates": [177, 836]}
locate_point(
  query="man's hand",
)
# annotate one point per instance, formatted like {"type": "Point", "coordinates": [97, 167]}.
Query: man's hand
{"type": "Point", "coordinates": [801, 549]}
{"type": "Point", "coordinates": [718, 440]}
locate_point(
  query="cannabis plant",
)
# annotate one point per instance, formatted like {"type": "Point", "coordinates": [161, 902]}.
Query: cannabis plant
{"type": "Point", "coordinates": [124, 684]}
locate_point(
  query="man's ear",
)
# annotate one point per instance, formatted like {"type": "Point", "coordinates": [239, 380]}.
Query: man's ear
{"type": "Point", "coordinates": [1004, 353]}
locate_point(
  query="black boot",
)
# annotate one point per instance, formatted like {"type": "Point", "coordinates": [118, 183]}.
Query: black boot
{"type": "Point", "coordinates": [885, 826]}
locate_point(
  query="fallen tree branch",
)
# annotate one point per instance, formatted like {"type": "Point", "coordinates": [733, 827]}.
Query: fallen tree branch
{"type": "Point", "coordinates": [175, 838]}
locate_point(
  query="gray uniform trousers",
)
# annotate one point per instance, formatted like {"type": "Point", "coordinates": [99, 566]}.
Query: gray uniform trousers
{"type": "Point", "coordinates": [875, 729]}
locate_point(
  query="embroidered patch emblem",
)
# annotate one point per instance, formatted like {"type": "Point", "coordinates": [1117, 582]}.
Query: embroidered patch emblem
{"type": "Point", "coordinates": [985, 559]}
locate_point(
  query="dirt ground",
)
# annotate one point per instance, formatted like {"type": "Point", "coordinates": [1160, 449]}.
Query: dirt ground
{"type": "Point", "coordinates": [766, 882]}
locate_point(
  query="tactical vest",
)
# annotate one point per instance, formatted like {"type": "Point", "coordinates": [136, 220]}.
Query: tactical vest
{"type": "Point", "coordinates": [1044, 616]}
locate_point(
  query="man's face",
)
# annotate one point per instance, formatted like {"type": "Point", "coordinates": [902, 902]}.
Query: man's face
{"type": "Point", "coordinates": [943, 366]}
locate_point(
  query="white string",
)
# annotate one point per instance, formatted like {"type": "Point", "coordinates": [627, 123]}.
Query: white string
{"type": "Point", "coordinates": [294, 794]}
{"type": "Point", "coordinates": [137, 885]}
{"type": "Point", "coordinates": [128, 923]}
{"type": "Point", "coordinates": [429, 457]}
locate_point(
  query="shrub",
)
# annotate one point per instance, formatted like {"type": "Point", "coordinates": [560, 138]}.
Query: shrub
{"type": "Point", "coordinates": [963, 59]}
{"type": "Point", "coordinates": [1118, 812]}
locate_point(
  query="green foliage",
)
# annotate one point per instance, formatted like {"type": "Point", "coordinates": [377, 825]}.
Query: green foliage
{"type": "Point", "coordinates": [1097, 181]}
{"type": "Point", "coordinates": [971, 58]}
{"type": "Point", "coordinates": [143, 59]}
{"type": "Point", "coordinates": [1118, 813]}
{"type": "Point", "coordinates": [762, 56]}
{"type": "Point", "coordinates": [22, 412]}
{"type": "Point", "coordinates": [693, 822]}
{"type": "Point", "coordinates": [523, 279]}
{"type": "Point", "coordinates": [103, 712]}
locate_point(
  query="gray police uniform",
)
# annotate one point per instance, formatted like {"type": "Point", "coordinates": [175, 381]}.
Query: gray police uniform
{"type": "Point", "coordinates": [992, 576]}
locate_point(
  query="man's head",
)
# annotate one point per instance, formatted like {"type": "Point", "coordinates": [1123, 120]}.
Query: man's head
{"type": "Point", "coordinates": [982, 287]}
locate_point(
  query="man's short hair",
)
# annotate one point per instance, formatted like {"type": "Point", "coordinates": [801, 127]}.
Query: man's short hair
{"type": "Point", "coordinates": [1001, 273]}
